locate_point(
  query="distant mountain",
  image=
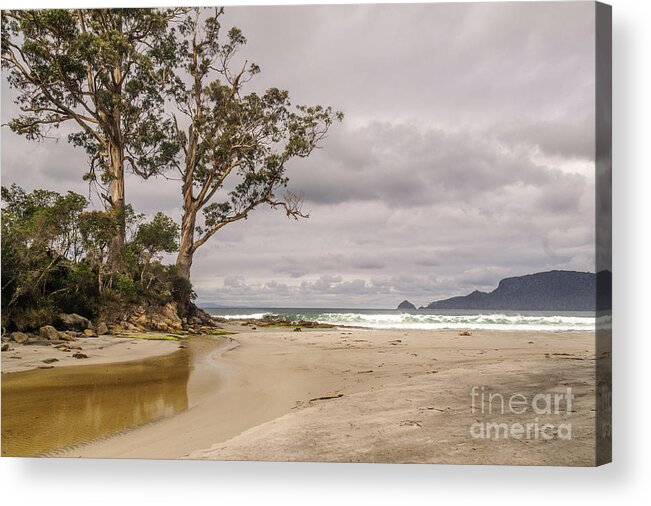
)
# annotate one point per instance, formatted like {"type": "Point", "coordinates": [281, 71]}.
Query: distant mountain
{"type": "Point", "coordinates": [209, 305]}
{"type": "Point", "coordinates": [405, 304]}
{"type": "Point", "coordinates": [543, 291]}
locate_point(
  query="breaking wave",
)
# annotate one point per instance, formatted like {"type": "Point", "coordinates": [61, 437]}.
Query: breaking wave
{"type": "Point", "coordinates": [429, 321]}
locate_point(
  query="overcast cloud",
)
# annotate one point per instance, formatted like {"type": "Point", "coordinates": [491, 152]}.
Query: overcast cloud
{"type": "Point", "coordinates": [466, 154]}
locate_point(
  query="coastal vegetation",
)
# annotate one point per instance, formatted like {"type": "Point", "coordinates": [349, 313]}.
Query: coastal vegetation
{"type": "Point", "coordinates": [55, 260]}
{"type": "Point", "coordinates": [155, 93]}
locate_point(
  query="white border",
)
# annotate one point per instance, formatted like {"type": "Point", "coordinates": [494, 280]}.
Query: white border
{"type": "Point", "coordinates": [111, 482]}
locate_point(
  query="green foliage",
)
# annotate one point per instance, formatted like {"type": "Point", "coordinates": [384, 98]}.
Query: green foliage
{"type": "Point", "coordinates": [158, 236]}
{"type": "Point", "coordinates": [41, 246]}
{"type": "Point", "coordinates": [100, 69]}
{"type": "Point", "coordinates": [248, 138]}
{"type": "Point", "coordinates": [54, 255]}
{"type": "Point", "coordinates": [109, 73]}
{"type": "Point", "coordinates": [97, 229]}
{"type": "Point", "coordinates": [181, 289]}
{"type": "Point", "coordinates": [102, 72]}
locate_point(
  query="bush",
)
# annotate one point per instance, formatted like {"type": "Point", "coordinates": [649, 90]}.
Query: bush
{"type": "Point", "coordinates": [54, 261]}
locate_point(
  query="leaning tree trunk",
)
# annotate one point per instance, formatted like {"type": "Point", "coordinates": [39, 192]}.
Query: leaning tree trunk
{"type": "Point", "coordinates": [190, 208]}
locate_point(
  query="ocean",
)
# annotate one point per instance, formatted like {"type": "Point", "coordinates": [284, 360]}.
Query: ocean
{"type": "Point", "coordinates": [428, 320]}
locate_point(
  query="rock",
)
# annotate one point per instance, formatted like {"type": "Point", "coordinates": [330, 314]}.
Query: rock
{"type": "Point", "coordinates": [175, 326]}
{"type": "Point", "coordinates": [298, 329]}
{"type": "Point", "coordinates": [89, 333]}
{"type": "Point", "coordinates": [49, 332]}
{"type": "Point", "coordinates": [465, 333]}
{"type": "Point", "coordinates": [116, 329]}
{"type": "Point", "coordinates": [74, 321]}
{"type": "Point", "coordinates": [66, 336]}
{"type": "Point", "coordinates": [5, 347]}
{"type": "Point", "coordinates": [80, 355]}
{"type": "Point", "coordinates": [102, 329]}
{"type": "Point", "coordinates": [19, 337]}
{"type": "Point", "coordinates": [141, 320]}
{"type": "Point", "coordinates": [50, 360]}
{"type": "Point", "coordinates": [405, 304]}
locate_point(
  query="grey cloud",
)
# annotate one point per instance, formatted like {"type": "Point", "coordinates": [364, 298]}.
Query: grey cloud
{"type": "Point", "coordinates": [452, 169]}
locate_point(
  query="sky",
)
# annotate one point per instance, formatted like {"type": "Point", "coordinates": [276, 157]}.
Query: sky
{"type": "Point", "coordinates": [466, 154]}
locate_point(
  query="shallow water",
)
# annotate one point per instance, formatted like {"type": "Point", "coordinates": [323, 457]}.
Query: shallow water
{"type": "Point", "coordinates": [44, 410]}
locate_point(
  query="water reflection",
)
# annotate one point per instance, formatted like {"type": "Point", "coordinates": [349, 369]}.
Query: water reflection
{"type": "Point", "coordinates": [45, 410]}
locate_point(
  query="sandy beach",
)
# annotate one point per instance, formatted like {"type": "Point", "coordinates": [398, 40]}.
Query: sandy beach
{"type": "Point", "coordinates": [98, 350]}
{"type": "Point", "coordinates": [361, 395]}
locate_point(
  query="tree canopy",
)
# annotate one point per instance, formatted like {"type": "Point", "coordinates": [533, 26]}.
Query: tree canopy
{"type": "Point", "coordinates": [235, 139]}
{"type": "Point", "coordinates": [155, 92]}
{"type": "Point", "coordinates": [101, 70]}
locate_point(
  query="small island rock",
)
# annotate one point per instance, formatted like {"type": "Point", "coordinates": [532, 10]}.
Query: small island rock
{"type": "Point", "coordinates": [405, 304]}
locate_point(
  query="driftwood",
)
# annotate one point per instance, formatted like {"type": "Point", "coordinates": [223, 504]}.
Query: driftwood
{"type": "Point", "coordinates": [326, 397]}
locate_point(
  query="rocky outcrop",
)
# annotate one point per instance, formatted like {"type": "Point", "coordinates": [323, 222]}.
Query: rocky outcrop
{"type": "Point", "coordinates": [158, 318]}
{"type": "Point", "coordinates": [406, 305]}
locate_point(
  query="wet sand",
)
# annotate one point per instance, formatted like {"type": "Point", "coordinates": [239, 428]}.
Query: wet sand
{"type": "Point", "coordinates": [99, 350]}
{"type": "Point", "coordinates": [45, 410]}
{"type": "Point", "coordinates": [124, 383]}
{"type": "Point", "coordinates": [358, 395]}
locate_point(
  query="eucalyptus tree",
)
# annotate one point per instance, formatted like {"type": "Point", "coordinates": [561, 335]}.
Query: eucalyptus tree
{"type": "Point", "coordinates": [102, 71]}
{"type": "Point", "coordinates": [236, 145]}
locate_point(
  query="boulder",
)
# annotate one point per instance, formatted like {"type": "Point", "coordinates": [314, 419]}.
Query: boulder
{"type": "Point", "coordinates": [74, 321]}
{"type": "Point", "coordinates": [89, 333]}
{"type": "Point", "coordinates": [5, 347]}
{"type": "Point", "coordinates": [66, 336]}
{"type": "Point", "coordinates": [49, 332]}
{"type": "Point", "coordinates": [102, 329]}
{"type": "Point", "coordinates": [19, 337]}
